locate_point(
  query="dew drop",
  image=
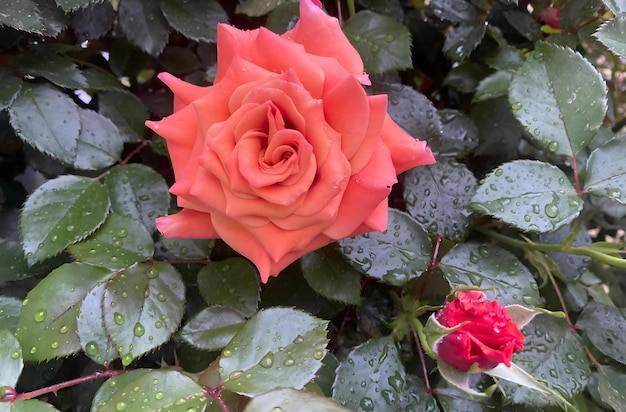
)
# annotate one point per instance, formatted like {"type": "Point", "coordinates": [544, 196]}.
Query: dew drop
{"type": "Point", "coordinates": [318, 354]}
{"type": "Point", "coordinates": [516, 106]}
{"type": "Point", "coordinates": [91, 348]}
{"type": "Point", "coordinates": [54, 345]}
{"type": "Point", "coordinates": [161, 297]}
{"type": "Point", "coordinates": [122, 233]}
{"type": "Point", "coordinates": [40, 315]}
{"type": "Point", "coordinates": [159, 395]}
{"type": "Point", "coordinates": [235, 375]}
{"type": "Point", "coordinates": [267, 361]}
{"type": "Point", "coordinates": [367, 404]}
{"type": "Point", "coordinates": [120, 406]}
{"type": "Point", "coordinates": [118, 318]}
{"type": "Point", "coordinates": [139, 330]}
{"type": "Point", "coordinates": [551, 210]}
{"type": "Point", "coordinates": [498, 172]}
{"type": "Point", "coordinates": [227, 353]}
{"type": "Point", "coordinates": [15, 355]}
{"type": "Point", "coordinates": [127, 358]}
{"type": "Point", "coordinates": [152, 273]}
{"type": "Point", "coordinates": [289, 361]}
{"type": "Point", "coordinates": [553, 146]}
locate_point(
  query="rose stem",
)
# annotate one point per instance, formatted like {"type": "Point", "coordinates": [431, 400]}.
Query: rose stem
{"type": "Point", "coordinates": [215, 394]}
{"type": "Point", "coordinates": [420, 353]}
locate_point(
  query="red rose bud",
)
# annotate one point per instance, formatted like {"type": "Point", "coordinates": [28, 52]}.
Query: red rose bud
{"type": "Point", "coordinates": [285, 152]}
{"type": "Point", "coordinates": [489, 336]}
{"type": "Point", "coordinates": [550, 16]}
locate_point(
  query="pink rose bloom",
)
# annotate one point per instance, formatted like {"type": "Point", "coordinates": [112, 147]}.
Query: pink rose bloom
{"type": "Point", "coordinates": [285, 152]}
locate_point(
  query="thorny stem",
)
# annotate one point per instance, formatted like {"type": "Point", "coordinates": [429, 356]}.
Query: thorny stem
{"type": "Point", "coordinates": [576, 179]}
{"type": "Point", "coordinates": [544, 247]}
{"type": "Point", "coordinates": [58, 386]}
{"type": "Point", "coordinates": [215, 393]}
{"type": "Point", "coordinates": [432, 265]}
{"type": "Point", "coordinates": [351, 8]}
{"type": "Point", "coordinates": [561, 301]}
{"type": "Point", "coordinates": [125, 160]}
{"type": "Point", "coordinates": [420, 353]}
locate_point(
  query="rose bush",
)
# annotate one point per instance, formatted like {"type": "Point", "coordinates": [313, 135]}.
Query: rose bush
{"type": "Point", "coordinates": [487, 338]}
{"type": "Point", "coordinates": [285, 152]}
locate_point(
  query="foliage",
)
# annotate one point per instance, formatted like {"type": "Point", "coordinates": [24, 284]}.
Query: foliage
{"type": "Point", "coordinates": [527, 202]}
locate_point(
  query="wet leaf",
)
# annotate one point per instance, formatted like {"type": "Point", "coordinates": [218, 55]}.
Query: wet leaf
{"type": "Point", "coordinates": [10, 358]}
{"type": "Point", "coordinates": [117, 244]}
{"type": "Point", "coordinates": [156, 390]}
{"type": "Point", "coordinates": [60, 212]}
{"type": "Point", "coordinates": [144, 25]}
{"type": "Point", "coordinates": [212, 328]}
{"type": "Point", "coordinates": [463, 39]}
{"type": "Point", "coordinates": [612, 387]}
{"type": "Point", "coordinates": [530, 195]}
{"type": "Point", "coordinates": [10, 86]}
{"type": "Point", "coordinates": [277, 347]}
{"type": "Point", "coordinates": [71, 5]}
{"type": "Point", "coordinates": [188, 248]}
{"type": "Point", "coordinates": [24, 16]}
{"type": "Point", "coordinates": [47, 324]}
{"type": "Point", "coordinates": [395, 256]}
{"type": "Point", "coordinates": [92, 334]}
{"type": "Point", "coordinates": [99, 143]}
{"type": "Point", "coordinates": [60, 70]}
{"type": "Point", "coordinates": [373, 378]}
{"type": "Point", "coordinates": [232, 282]}
{"type": "Point", "coordinates": [328, 273]}
{"type": "Point", "coordinates": [572, 266]}
{"type": "Point", "coordinates": [48, 120]}
{"type": "Point", "coordinates": [126, 111]}
{"type": "Point", "coordinates": [605, 327]}
{"type": "Point", "coordinates": [10, 308]}
{"type": "Point", "coordinates": [438, 205]}
{"type": "Point", "coordinates": [554, 355]}
{"type": "Point", "coordinates": [604, 181]}
{"type": "Point", "coordinates": [453, 11]}
{"type": "Point", "coordinates": [196, 19]}
{"type": "Point", "coordinates": [12, 261]}
{"type": "Point", "coordinates": [493, 86]}
{"type": "Point", "coordinates": [290, 399]}
{"type": "Point", "coordinates": [139, 192]}
{"type": "Point", "coordinates": [383, 43]}
{"type": "Point", "coordinates": [487, 266]}
{"type": "Point", "coordinates": [143, 306]}
{"type": "Point", "coordinates": [93, 21]}
{"type": "Point", "coordinates": [256, 8]}
{"type": "Point", "coordinates": [31, 405]}
{"type": "Point", "coordinates": [548, 96]}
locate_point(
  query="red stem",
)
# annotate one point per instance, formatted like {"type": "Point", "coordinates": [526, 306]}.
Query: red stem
{"type": "Point", "coordinates": [420, 353]}
{"type": "Point", "coordinates": [576, 179]}
{"type": "Point", "coordinates": [58, 386]}
{"type": "Point", "coordinates": [215, 393]}
{"type": "Point", "coordinates": [432, 265]}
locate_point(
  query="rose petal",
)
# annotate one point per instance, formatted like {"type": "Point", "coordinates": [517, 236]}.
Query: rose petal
{"type": "Point", "coordinates": [366, 190]}
{"type": "Point", "coordinates": [188, 224]}
{"type": "Point", "coordinates": [321, 34]}
{"type": "Point", "coordinates": [406, 151]}
{"type": "Point", "coordinates": [231, 43]}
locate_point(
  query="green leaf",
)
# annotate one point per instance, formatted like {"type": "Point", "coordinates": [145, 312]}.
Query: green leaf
{"type": "Point", "coordinates": [30, 405]}
{"type": "Point", "coordinates": [530, 195]}
{"type": "Point", "coordinates": [524, 23]}
{"type": "Point", "coordinates": [144, 25]}
{"type": "Point", "coordinates": [578, 13]}
{"type": "Point", "coordinates": [458, 137]}
{"type": "Point", "coordinates": [143, 306]}
{"type": "Point", "coordinates": [554, 355]}
{"type": "Point", "coordinates": [196, 19]}
{"type": "Point", "coordinates": [126, 111]}
{"type": "Point", "coordinates": [487, 266]}
{"type": "Point", "coordinates": [256, 8]}
{"type": "Point", "coordinates": [99, 143]}
{"type": "Point", "coordinates": [24, 15]}
{"type": "Point", "coordinates": [72, 5]}
{"type": "Point", "coordinates": [413, 111]}
{"type": "Point", "coordinates": [373, 378]}
{"type": "Point", "coordinates": [10, 358]}
{"type": "Point", "coordinates": [112, 386]}
{"type": "Point", "coordinates": [452, 399]}
{"type": "Point", "coordinates": [617, 7]}
{"type": "Point", "coordinates": [612, 387]}
{"type": "Point", "coordinates": [383, 43]}
{"type": "Point", "coordinates": [571, 266]}
{"type": "Point", "coordinates": [212, 328]}
{"type": "Point", "coordinates": [605, 174]}
{"type": "Point", "coordinates": [139, 192]}
{"type": "Point", "coordinates": [61, 212]}
{"type": "Point", "coordinates": [438, 205]}
{"type": "Point", "coordinates": [188, 248]}
{"type": "Point", "coordinates": [328, 273]}
{"type": "Point", "coordinates": [277, 347]}
{"type": "Point", "coordinates": [288, 399]}
{"type": "Point", "coordinates": [48, 120]}
{"type": "Point", "coordinates": [463, 39]}
{"type": "Point", "coordinates": [12, 261]}
{"type": "Point", "coordinates": [47, 324]}
{"type": "Point", "coordinates": [117, 244]}
{"type": "Point", "coordinates": [10, 86]}
{"type": "Point", "coordinates": [60, 70]}
{"type": "Point", "coordinates": [10, 308]}
{"type": "Point", "coordinates": [232, 282]}
{"type": "Point", "coordinates": [499, 133]}
{"type": "Point", "coordinates": [605, 327]}
{"type": "Point", "coordinates": [559, 98]}
{"type": "Point", "coordinates": [93, 21]}
{"type": "Point", "coordinates": [453, 10]}
{"type": "Point", "coordinates": [395, 256]}
{"type": "Point", "coordinates": [92, 333]}
{"type": "Point", "coordinates": [492, 86]}
{"type": "Point", "coordinates": [152, 390]}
